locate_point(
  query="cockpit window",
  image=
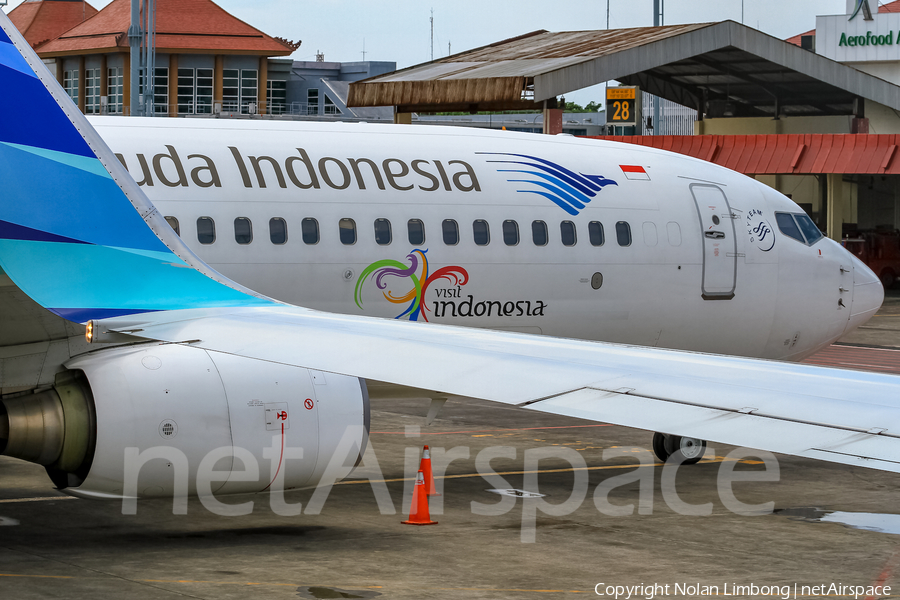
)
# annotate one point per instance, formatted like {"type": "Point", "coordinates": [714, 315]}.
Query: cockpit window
{"type": "Point", "coordinates": [788, 226]}
{"type": "Point", "coordinates": [798, 226]}
{"type": "Point", "coordinates": [808, 228]}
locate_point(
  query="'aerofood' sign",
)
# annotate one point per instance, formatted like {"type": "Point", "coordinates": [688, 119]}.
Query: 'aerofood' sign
{"type": "Point", "coordinates": [859, 40]}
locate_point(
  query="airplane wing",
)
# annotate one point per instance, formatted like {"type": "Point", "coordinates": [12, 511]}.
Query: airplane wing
{"type": "Point", "coordinates": [842, 416]}
{"type": "Point", "coordinates": [80, 238]}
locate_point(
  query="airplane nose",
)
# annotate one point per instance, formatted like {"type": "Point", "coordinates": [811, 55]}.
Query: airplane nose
{"type": "Point", "coordinates": [868, 294]}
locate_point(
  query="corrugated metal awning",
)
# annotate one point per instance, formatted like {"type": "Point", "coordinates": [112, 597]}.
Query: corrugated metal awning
{"type": "Point", "coordinates": [721, 69]}
{"type": "Point", "coordinates": [804, 154]}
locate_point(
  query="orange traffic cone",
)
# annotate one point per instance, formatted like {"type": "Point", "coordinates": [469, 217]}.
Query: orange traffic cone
{"type": "Point", "coordinates": [418, 512]}
{"type": "Point", "coordinates": [425, 467]}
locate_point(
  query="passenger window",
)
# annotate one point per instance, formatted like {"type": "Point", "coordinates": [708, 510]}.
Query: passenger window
{"type": "Point", "coordinates": [674, 231]}
{"type": "Point", "coordinates": [278, 230]}
{"type": "Point", "coordinates": [450, 230]}
{"type": "Point", "coordinates": [539, 233]}
{"type": "Point", "coordinates": [347, 229]}
{"type": "Point", "coordinates": [173, 223]}
{"type": "Point", "coordinates": [623, 233]}
{"type": "Point", "coordinates": [482, 232]}
{"type": "Point", "coordinates": [510, 233]}
{"type": "Point", "coordinates": [309, 230]}
{"type": "Point", "coordinates": [808, 228]}
{"type": "Point", "coordinates": [206, 230]}
{"type": "Point", "coordinates": [416, 230]}
{"type": "Point", "coordinates": [382, 232]}
{"type": "Point", "coordinates": [651, 238]}
{"type": "Point", "coordinates": [243, 231]}
{"type": "Point", "coordinates": [595, 233]}
{"type": "Point", "coordinates": [567, 233]}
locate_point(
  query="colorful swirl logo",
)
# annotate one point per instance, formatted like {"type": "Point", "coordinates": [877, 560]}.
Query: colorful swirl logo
{"type": "Point", "coordinates": [567, 189]}
{"type": "Point", "coordinates": [419, 278]}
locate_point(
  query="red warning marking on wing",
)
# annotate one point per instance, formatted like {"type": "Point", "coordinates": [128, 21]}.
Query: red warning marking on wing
{"type": "Point", "coordinates": [635, 172]}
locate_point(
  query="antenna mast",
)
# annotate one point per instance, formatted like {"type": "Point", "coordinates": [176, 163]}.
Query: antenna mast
{"type": "Point", "coordinates": [432, 34]}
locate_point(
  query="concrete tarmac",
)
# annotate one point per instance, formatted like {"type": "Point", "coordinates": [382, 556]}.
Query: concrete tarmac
{"type": "Point", "coordinates": [54, 546]}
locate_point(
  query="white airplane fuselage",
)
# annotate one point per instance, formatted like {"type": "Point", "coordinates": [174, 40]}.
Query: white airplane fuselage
{"type": "Point", "coordinates": [692, 255]}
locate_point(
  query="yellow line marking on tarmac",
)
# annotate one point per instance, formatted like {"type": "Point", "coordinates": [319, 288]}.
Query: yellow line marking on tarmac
{"type": "Point", "coordinates": [565, 470]}
{"type": "Point", "coordinates": [494, 430]}
{"type": "Point", "coordinates": [460, 476]}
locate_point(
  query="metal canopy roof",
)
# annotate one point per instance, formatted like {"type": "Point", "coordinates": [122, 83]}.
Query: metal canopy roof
{"type": "Point", "coordinates": [731, 69]}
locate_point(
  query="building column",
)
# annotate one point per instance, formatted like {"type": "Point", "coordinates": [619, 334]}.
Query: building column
{"type": "Point", "coordinates": [126, 84]}
{"type": "Point", "coordinates": [553, 118]}
{"type": "Point", "coordinates": [81, 84]}
{"type": "Point", "coordinates": [173, 85]}
{"type": "Point", "coordinates": [263, 86]}
{"type": "Point", "coordinates": [835, 208]}
{"type": "Point", "coordinates": [402, 118]}
{"type": "Point", "coordinates": [60, 70]}
{"type": "Point", "coordinates": [217, 82]}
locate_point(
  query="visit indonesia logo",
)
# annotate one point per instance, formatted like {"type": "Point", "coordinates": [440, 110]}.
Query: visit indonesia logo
{"type": "Point", "coordinates": [449, 299]}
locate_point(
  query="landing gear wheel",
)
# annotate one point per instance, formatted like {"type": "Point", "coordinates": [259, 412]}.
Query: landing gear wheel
{"type": "Point", "coordinates": [659, 446]}
{"type": "Point", "coordinates": [689, 450]}
{"type": "Point", "coordinates": [686, 450]}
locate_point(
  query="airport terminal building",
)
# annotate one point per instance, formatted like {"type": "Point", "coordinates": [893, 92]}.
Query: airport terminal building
{"type": "Point", "coordinates": [206, 59]}
{"type": "Point", "coordinates": [208, 62]}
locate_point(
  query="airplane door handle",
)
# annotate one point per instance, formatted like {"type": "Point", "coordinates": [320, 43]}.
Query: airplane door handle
{"type": "Point", "coordinates": [715, 235]}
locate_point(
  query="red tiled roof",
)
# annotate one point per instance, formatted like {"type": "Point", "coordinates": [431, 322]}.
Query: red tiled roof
{"type": "Point", "coordinates": [796, 39]}
{"type": "Point", "coordinates": [181, 25]}
{"type": "Point", "coordinates": [784, 154]}
{"type": "Point", "coordinates": [890, 7]}
{"type": "Point", "coordinates": [42, 20]}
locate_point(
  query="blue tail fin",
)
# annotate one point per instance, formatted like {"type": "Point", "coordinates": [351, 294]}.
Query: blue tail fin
{"type": "Point", "coordinates": [76, 233]}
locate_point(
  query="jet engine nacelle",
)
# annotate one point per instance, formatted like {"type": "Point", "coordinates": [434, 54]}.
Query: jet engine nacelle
{"type": "Point", "coordinates": [157, 420]}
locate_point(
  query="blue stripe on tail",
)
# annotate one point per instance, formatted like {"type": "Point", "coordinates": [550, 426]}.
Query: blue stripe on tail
{"type": "Point", "coordinates": [70, 237]}
{"type": "Point", "coordinates": [33, 117]}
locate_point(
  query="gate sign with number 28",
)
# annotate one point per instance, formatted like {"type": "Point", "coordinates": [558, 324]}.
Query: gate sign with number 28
{"type": "Point", "coordinates": [621, 105]}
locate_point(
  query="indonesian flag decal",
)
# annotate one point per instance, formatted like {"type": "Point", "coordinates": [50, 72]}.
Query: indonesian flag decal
{"type": "Point", "coordinates": [635, 172]}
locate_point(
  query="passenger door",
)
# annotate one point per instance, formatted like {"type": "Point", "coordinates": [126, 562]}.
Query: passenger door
{"type": "Point", "coordinates": [719, 242]}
